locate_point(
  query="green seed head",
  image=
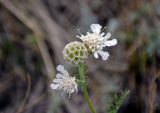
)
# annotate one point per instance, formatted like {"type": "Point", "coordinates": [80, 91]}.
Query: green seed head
{"type": "Point", "coordinates": [75, 52]}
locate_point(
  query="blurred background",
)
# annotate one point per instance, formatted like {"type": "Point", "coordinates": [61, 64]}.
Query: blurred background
{"type": "Point", "coordinates": [34, 32]}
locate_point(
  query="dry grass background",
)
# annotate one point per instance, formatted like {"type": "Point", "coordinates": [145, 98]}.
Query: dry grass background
{"type": "Point", "coordinates": [34, 32]}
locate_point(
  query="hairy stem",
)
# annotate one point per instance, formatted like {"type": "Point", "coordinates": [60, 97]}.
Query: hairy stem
{"type": "Point", "coordinates": [84, 87]}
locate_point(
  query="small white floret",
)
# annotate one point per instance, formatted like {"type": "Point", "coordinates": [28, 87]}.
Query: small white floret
{"type": "Point", "coordinates": [96, 28]}
{"type": "Point", "coordinates": [103, 54]}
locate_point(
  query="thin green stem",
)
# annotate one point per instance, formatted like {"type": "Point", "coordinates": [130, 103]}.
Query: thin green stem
{"type": "Point", "coordinates": [84, 87]}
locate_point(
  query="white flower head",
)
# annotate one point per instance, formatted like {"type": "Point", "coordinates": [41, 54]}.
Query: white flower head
{"type": "Point", "coordinates": [96, 40]}
{"type": "Point", "coordinates": [64, 82]}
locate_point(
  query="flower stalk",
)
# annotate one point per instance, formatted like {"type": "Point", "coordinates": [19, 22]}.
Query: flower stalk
{"type": "Point", "coordinates": [81, 68]}
{"type": "Point", "coordinates": [77, 53]}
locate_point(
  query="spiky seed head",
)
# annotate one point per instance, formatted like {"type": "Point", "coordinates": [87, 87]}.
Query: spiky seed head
{"type": "Point", "coordinates": [75, 52]}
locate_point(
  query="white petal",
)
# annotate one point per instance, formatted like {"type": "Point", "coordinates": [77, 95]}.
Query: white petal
{"type": "Point", "coordinates": [104, 55]}
{"type": "Point", "coordinates": [102, 34]}
{"type": "Point", "coordinates": [76, 89]}
{"type": "Point", "coordinates": [62, 70]}
{"type": "Point", "coordinates": [96, 54]}
{"type": "Point", "coordinates": [112, 42]}
{"type": "Point", "coordinates": [54, 86]}
{"type": "Point", "coordinates": [60, 67]}
{"type": "Point", "coordinates": [59, 75]}
{"type": "Point", "coordinates": [96, 28]}
{"type": "Point", "coordinates": [56, 80]}
{"type": "Point", "coordinates": [108, 35]}
{"type": "Point", "coordinates": [80, 37]}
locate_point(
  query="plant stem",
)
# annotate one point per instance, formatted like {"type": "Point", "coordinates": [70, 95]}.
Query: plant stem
{"type": "Point", "coordinates": [84, 87]}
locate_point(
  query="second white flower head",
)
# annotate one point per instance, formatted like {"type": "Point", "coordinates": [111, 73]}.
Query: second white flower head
{"type": "Point", "coordinates": [96, 40]}
{"type": "Point", "coordinates": [64, 82]}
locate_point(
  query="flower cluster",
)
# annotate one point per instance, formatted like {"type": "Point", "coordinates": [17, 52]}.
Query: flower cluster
{"type": "Point", "coordinates": [77, 52]}
{"type": "Point", "coordinates": [64, 82]}
{"type": "Point", "coordinates": [97, 40]}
